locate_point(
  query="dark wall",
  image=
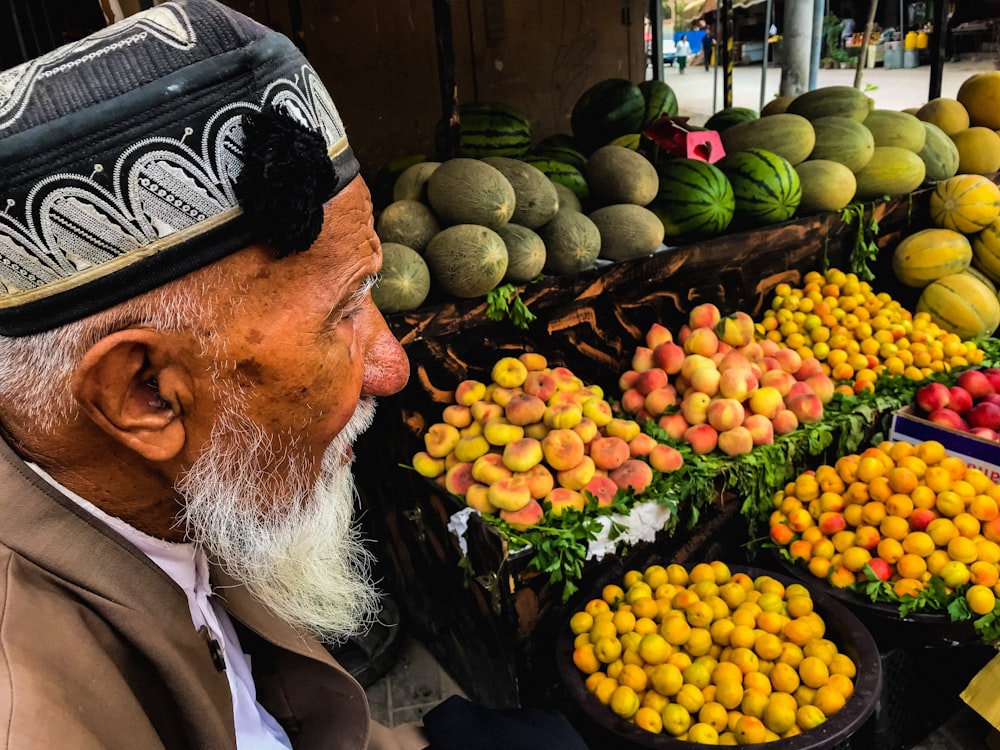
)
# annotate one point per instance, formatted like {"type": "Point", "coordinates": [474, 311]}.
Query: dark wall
{"type": "Point", "coordinates": [29, 28]}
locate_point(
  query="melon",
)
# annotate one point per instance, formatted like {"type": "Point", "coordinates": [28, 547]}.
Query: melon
{"type": "Point", "coordinates": [950, 115]}
{"type": "Point", "coordinates": [939, 154]}
{"type": "Point", "coordinates": [790, 136]}
{"type": "Point", "coordinates": [978, 150]}
{"type": "Point", "coordinates": [766, 187]}
{"type": "Point", "coordinates": [891, 171]}
{"type": "Point", "coordinates": [560, 147]}
{"type": "Point", "coordinates": [965, 203]}
{"type": "Point", "coordinates": [890, 127]}
{"type": "Point", "coordinates": [404, 282]}
{"type": "Point", "coordinates": [975, 272]}
{"type": "Point", "coordinates": [466, 260]}
{"type": "Point", "coordinates": [616, 174]}
{"type": "Point", "coordinates": [388, 173]}
{"type": "Point", "coordinates": [525, 253]}
{"type": "Point", "coordinates": [730, 116]}
{"type": "Point", "coordinates": [608, 109]}
{"type": "Point", "coordinates": [470, 191]}
{"type": "Point", "coordinates": [826, 185]}
{"type": "Point", "coordinates": [986, 250]}
{"type": "Point", "coordinates": [695, 198]}
{"type": "Point", "coordinates": [535, 199]}
{"type": "Point", "coordinates": [627, 231]}
{"type": "Point", "coordinates": [776, 106]}
{"type": "Point", "coordinates": [980, 95]}
{"type": "Point", "coordinates": [409, 223]}
{"type": "Point", "coordinates": [929, 254]}
{"type": "Point", "coordinates": [962, 305]}
{"type": "Point", "coordinates": [485, 129]}
{"type": "Point", "coordinates": [411, 185]}
{"type": "Point", "coordinates": [572, 242]}
{"type": "Point", "coordinates": [832, 101]}
{"type": "Point", "coordinates": [568, 200]}
{"type": "Point", "coordinates": [843, 140]}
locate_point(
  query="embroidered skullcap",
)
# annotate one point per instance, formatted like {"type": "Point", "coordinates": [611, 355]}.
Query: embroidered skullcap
{"type": "Point", "coordinates": [152, 148]}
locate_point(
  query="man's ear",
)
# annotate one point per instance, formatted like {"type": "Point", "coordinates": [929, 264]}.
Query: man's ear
{"type": "Point", "coordinates": [130, 386]}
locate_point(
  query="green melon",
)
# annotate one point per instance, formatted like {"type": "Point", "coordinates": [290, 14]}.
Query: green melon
{"type": "Point", "coordinates": [939, 154]}
{"type": "Point", "coordinates": [404, 281]}
{"type": "Point", "coordinates": [568, 200]}
{"type": "Point", "coordinates": [891, 171]}
{"type": "Point", "coordinates": [832, 101]}
{"type": "Point", "coordinates": [890, 127]}
{"type": "Point", "coordinates": [790, 136]}
{"type": "Point", "coordinates": [466, 260]}
{"type": "Point", "coordinates": [608, 109]}
{"type": "Point", "coordinates": [627, 231]}
{"type": "Point", "coordinates": [826, 185]}
{"type": "Point", "coordinates": [388, 173]}
{"type": "Point", "coordinates": [409, 223]}
{"type": "Point", "coordinates": [470, 191]}
{"type": "Point", "coordinates": [486, 129]}
{"type": "Point", "coordinates": [660, 100]}
{"type": "Point", "coordinates": [525, 253]}
{"type": "Point", "coordinates": [843, 140]}
{"type": "Point", "coordinates": [535, 198]}
{"type": "Point", "coordinates": [617, 174]}
{"type": "Point", "coordinates": [411, 185]}
{"type": "Point", "coordinates": [695, 198]}
{"type": "Point", "coordinates": [572, 243]}
{"type": "Point", "coordinates": [766, 187]}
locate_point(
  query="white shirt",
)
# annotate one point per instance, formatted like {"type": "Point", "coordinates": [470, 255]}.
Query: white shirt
{"type": "Point", "coordinates": [186, 564]}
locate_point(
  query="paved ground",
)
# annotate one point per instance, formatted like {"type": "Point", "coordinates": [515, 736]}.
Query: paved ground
{"type": "Point", "coordinates": [417, 683]}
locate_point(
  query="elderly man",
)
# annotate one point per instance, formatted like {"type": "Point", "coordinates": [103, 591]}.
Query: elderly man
{"type": "Point", "coordinates": [188, 349]}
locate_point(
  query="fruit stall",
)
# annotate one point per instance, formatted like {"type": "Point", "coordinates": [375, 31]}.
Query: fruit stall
{"type": "Point", "coordinates": [652, 361]}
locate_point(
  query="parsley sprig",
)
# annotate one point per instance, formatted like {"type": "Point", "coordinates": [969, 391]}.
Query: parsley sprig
{"type": "Point", "coordinates": [504, 303]}
{"type": "Point", "coordinates": [865, 248]}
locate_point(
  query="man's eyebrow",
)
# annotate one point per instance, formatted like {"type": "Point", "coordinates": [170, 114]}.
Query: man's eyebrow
{"type": "Point", "coordinates": [356, 297]}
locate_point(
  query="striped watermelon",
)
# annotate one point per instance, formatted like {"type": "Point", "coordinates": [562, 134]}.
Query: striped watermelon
{"type": "Point", "coordinates": [560, 147]}
{"type": "Point", "coordinates": [660, 100]}
{"type": "Point", "coordinates": [695, 198]}
{"type": "Point", "coordinates": [562, 173]}
{"type": "Point", "coordinates": [486, 129]}
{"type": "Point", "coordinates": [766, 186]}
{"type": "Point", "coordinates": [608, 109]}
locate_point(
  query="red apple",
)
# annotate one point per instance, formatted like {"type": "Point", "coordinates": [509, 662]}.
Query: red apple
{"type": "Point", "coordinates": [993, 375]}
{"type": "Point", "coordinates": [932, 396]}
{"type": "Point", "coordinates": [984, 432]}
{"type": "Point", "coordinates": [959, 399]}
{"type": "Point", "coordinates": [975, 382]}
{"type": "Point", "coordinates": [984, 414]}
{"type": "Point", "coordinates": [948, 418]}
{"type": "Point", "coordinates": [991, 398]}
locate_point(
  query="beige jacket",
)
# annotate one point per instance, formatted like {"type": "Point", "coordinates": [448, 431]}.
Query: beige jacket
{"type": "Point", "coordinates": [97, 649]}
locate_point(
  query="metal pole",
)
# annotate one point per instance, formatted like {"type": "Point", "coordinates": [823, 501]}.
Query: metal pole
{"type": "Point", "coordinates": [816, 50]}
{"type": "Point", "coordinates": [937, 51]}
{"type": "Point", "coordinates": [656, 42]}
{"type": "Point", "coordinates": [763, 62]}
{"type": "Point", "coordinates": [726, 8]}
{"type": "Point", "coordinates": [448, 87]}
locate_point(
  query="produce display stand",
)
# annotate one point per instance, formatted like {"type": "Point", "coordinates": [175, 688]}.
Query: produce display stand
{"type": "Point", "coordinates": [487, 618]}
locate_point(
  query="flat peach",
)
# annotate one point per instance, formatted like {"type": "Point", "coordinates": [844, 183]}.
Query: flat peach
{"type": "Point", "coordinates": [562, 448]}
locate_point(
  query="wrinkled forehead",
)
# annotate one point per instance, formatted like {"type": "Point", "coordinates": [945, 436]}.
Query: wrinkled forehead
{"type": "Point", "coordinates": [122, 157]}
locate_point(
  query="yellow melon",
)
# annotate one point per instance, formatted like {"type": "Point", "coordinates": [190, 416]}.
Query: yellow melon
{"type": "Point", "coordinates": [978, 150]}
{"type": "Point", "coordinates": [965, 203]}
{"type": "Point", "coordinates": [986, 250]}
{"type": "Point", "coordinates": [929, 254]}
{"type": "Point", "coordinates": [948, 114]}
{"type": "Point", "coordinates": [962, 305]}
{"type": "Point", "coordinates": [980, 95]}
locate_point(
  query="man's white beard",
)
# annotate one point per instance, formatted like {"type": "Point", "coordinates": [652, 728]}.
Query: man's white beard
{"type": "Point", "coordinates": [292, 542]}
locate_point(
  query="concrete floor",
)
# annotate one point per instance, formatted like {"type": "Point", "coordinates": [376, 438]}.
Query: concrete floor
{"type": "Point", "coordinates": [416, 683]}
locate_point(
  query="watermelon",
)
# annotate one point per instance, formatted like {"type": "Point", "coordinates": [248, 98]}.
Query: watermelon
{"type": "Point", "coordinates": [560, 147]}
{"type": "Point", "coordinates": [562, 173]}
{"type": "Point", "coordinates": [486, 129]}
{"type": "Point", "coordinates": [608, 109]}
{"type": "Point", "coordinates": [694, 199]}
{"type": "Point", "coordinates": [660, 100]}
{"type": "Point", "coordinates": [766, 186]}
{"type": "Point", "coordinates": [729, 116]}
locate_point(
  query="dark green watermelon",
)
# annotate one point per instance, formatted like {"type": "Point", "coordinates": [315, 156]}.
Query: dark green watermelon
{"type": "Point", "coordinates": [486, 129]}
{"type": "Point", "coordinates": [606, 110]}
{"type": "Point", "coordinates": [562, 173]}
{"type": "Point", "coordinates": [766, 186]}
{"type": "Point", "coordinates": [660, 100]}
{"type": "Point", "coordinates": [695, 198]}
{"type": "Point", "coordinates": [731, 116]}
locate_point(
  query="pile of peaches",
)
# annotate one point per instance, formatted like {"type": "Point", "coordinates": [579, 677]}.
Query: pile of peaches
{"type": "Point", "coordinates": [715, 387]}
{"type": "Point", "coordinates": [904, 512]}
{"type": "Point", "coordinates": [971, 405]}
{"type": "Point", "coordinates": [537, 438]}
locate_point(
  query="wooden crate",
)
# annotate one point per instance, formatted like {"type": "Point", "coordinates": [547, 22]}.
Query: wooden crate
{"type": "Point", "coordinates": [487, 618]}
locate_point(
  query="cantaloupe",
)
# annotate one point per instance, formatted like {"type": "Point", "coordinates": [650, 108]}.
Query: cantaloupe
{"type": "Point", "coordinates": [466, 260]}
{"type": "Point", "coordinates": [890, 127]}
{"type": "Point", "coordinates": [939, 154]}
{"type": "Point", "coordinates": [948, 114]}
{"type": "Point", "coordinates": [843, 140]}
{"type": "Point", "coordinates": [891, 171]}
{"type": "Point", "coordinates": [962, 305]}
{"type": "Point", "coordinates": [407, 222]}
{"type": "Point", "coordinates": [535, 198]}
{"type": "Point", "coordinates": [826, 185]}
{"type": "Point", "coordinates": [627, 231]}
{"type": "Point", "coordinates": [412, 182]}
{"type": "Point", "coordinates": [405, 280]}
{"type": "Point", "coordinates": [572, 242]}
{"type": "Point", "coordinates": [525, 253]}
{"type": "Point", "coordinates": [978, 150]}
{"type": "Point", "coordinates": [470, 191]}
{"type": "Point", "coordinates": [980, 95]}
{"type": "Point", "coordinates": [927, 255]}
{"type": "Point", "coordinates": [617, 174]}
